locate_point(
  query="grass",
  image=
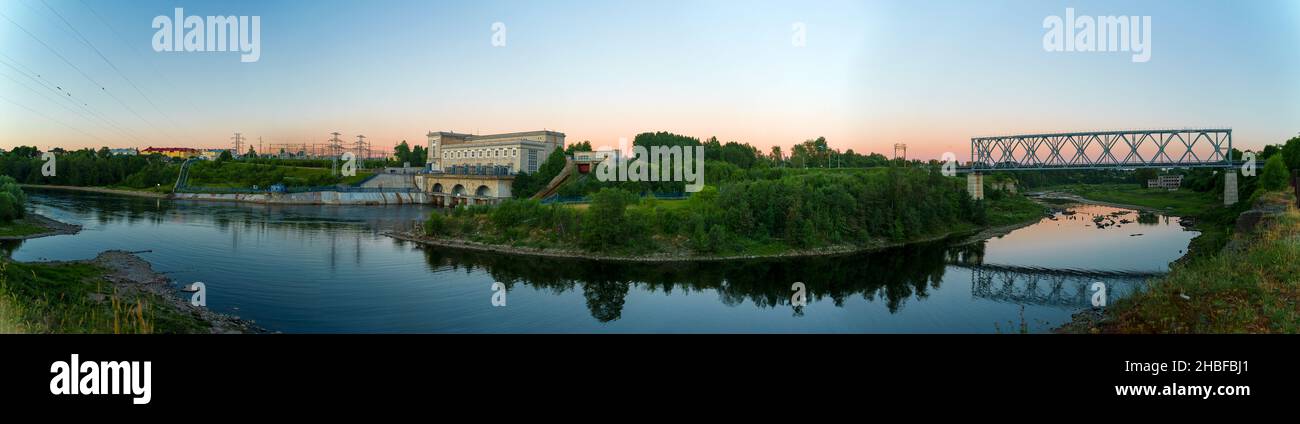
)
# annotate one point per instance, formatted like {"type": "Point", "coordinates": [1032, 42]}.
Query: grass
{"type": "Point", "coordinates": [75, 298]}
{"type": "Point", "coordinates": [11, 320]}
{"type": "Point", "coordinates": [20, 228]}
{"type": "Point", "coordinates": [1178, 202]}
{"type": "Point", "coordinates": [246, 175]}
{"type": "Point", "coordinates": [1255, 289]}
{"type": "Point", "coordinates": [1012, 210]}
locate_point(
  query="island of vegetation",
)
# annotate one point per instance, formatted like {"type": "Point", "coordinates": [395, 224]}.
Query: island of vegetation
{"type": "Point", "coordinates": [815, 202]}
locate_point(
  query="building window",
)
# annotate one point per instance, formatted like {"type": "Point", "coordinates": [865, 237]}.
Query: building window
{"type": "Point", "coordinates": [532, 160]}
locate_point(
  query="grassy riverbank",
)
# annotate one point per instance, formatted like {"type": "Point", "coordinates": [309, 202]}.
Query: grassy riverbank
{"type": "Point", "coordinates": [20, 228]}
{"type": "Point", "coordinates": [35, 226]}
{"type": "Point", "coordinates": [1252, 287]}
{"type": "Point", "coordinates": [76, 297]}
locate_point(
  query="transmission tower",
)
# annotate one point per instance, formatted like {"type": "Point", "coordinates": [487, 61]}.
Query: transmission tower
{"type": "Point", "coordinates": [900, 152]}
{"type": "Point", "coordinates": [361, 147]}
{"type": "Point", "coordinates": [239, 142]}
{"type": "Point", "coordinates": [335, 147]}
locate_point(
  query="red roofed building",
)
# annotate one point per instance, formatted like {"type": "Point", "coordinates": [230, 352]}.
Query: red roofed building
{"type": "Point", "coordinates": [174, 152]}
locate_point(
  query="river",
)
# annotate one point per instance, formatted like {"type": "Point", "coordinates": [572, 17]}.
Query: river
{"type": "Point", "coordinates": [328, 269]}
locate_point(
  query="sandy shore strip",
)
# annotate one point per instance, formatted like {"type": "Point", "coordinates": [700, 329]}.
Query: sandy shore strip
{"type": "Point", "coordinates": [149, 194]}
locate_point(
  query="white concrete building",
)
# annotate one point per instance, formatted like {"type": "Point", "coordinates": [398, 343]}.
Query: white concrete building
{"type": "Point", "coordinates": [521, 151]}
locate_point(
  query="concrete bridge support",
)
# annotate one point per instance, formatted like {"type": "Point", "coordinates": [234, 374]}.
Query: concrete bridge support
{"type": "Point", "coordinates": [975, 185]}
{"type": "Point", "coordinates": [1230, 187]}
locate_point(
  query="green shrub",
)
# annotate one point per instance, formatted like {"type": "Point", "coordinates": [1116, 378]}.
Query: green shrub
{"type": "Point", "coordinates": [436, 225]}
{"type": "Point", "coordinates": [13, 202]}
{"type": "Point", "coordinates": [607, 221]}
{"type": "Point", "coordinates": [1275, 175]}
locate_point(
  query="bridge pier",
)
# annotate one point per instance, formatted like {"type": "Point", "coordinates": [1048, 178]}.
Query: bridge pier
{"type": "Point", "coordinates": [975, 185]}
{"type": "Point", "coordinates": [1230, 187]}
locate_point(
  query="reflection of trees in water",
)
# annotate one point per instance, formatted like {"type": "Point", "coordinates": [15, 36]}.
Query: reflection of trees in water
{"type": "Point", "coordinates": [891, 276]}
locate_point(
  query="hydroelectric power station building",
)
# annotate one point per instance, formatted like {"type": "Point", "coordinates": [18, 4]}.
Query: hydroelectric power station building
{"type": "Point", "coordinates": [479, 169]}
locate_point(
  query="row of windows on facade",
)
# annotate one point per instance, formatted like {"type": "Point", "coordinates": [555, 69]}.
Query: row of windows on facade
{"type": "Point", "coordinates": [493, 153]}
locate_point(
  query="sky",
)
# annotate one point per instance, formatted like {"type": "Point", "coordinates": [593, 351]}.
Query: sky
{"type": "Point", "coordinates": [867, 74]}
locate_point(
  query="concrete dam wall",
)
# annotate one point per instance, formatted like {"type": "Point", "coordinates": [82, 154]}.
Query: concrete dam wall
{"type": "Point", "coordinates": [312, 198]}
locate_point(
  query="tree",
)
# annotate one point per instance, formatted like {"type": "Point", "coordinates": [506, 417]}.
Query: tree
{"type": "Point", "coordinates": [1275, 174]}
{"type": "Point", "coordinates": [608, 224]}
{"type": "Point", "coordinates": [526, 185]}
{"type": "Point", "coordinates": [13, 202]}
{"type": "Point", "coordinates": [252, 154]}
{"type": "Point", "coordinates": [402, 153]}
{"type": "Point", "coordinates": [419, 155]}
{"type": "Point", "coordinates": [1143, 175]}
{"type": "Point", "coordinates": [1291, 153]}
{"type": "Point", "coordinates": [1269, 151]}
{"type": "Point", "coordinates": [225, 156]}
{"type": "Point", "coordinates": [584, 146]}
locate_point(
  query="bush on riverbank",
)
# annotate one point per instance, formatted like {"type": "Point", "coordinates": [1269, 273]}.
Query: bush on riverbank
{"type": "Point", "coordinates": [13, 203]}
{"type": "Point", "coordinates": [1275, 174]}
{"type": "Point", "coordinates": [781, 211]}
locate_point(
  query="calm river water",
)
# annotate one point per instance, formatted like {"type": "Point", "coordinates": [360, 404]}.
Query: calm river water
{"type": "Point", "coordinates": [328, 269]}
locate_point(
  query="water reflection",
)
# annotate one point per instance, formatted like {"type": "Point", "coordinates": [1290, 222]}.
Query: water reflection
{"type": "Point", "coordinates": [329, 269]}
{"type": "Point", "coordinates": [892, 277]}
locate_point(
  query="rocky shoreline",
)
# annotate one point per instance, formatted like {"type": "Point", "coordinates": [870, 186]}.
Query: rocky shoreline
{"type": "Point", "coordinates": [130, 274]}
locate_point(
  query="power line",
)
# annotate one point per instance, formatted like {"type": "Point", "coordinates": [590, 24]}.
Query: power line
{"type": "Point", "coordinates": [47, 96]}
{"type": "Point", "coordinates": [60, 93]}
{"type": "Point", "coordinates": [77, 68]}
{"type": "Point", "coordinates": [111, 65]}
{"type": "Point", "coordinates": [122, 40]}
{"type": "Point", "coordinates": [52, 119]}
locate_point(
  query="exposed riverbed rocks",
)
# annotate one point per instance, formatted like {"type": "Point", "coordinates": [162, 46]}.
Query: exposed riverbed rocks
{"type": "Point", "coordinates": [131, 274]}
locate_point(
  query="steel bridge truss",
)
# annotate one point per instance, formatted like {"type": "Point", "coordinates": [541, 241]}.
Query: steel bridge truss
{"type": "Point", "coordinates": [1103, 150]}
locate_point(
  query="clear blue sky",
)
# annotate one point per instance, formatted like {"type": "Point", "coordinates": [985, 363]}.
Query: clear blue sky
{"type": "Point", "coordinates": [928, 73]}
